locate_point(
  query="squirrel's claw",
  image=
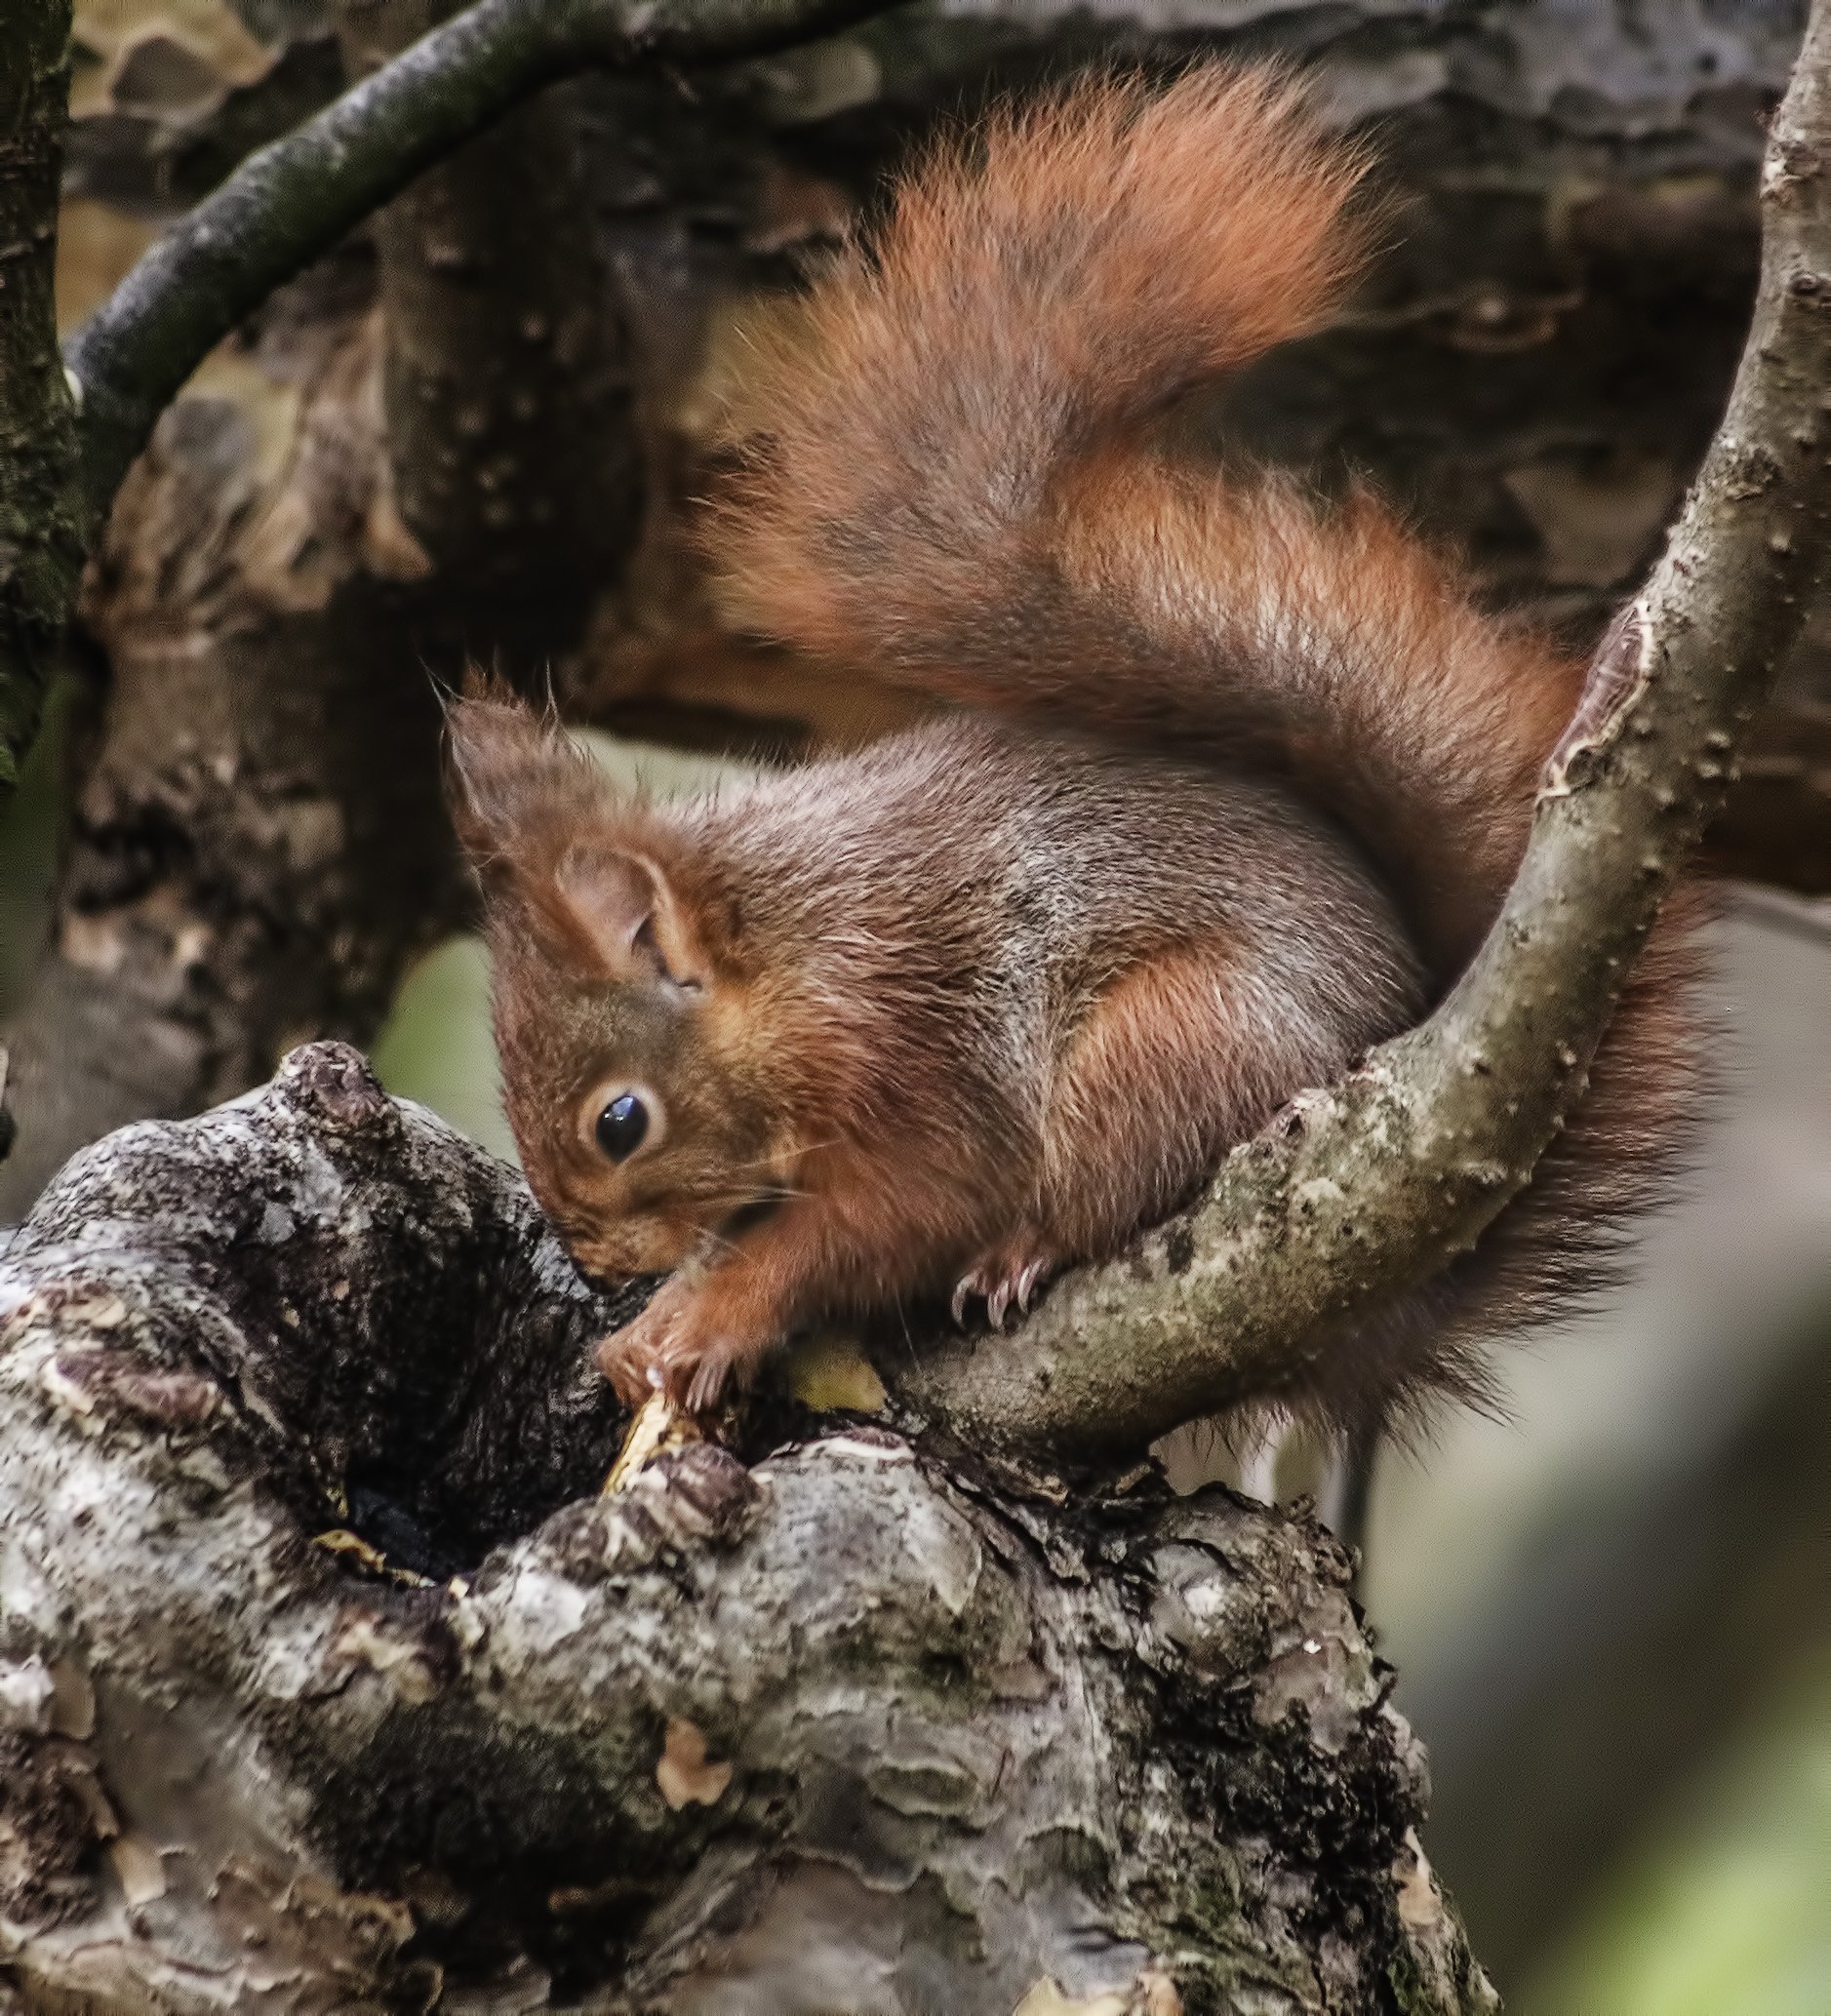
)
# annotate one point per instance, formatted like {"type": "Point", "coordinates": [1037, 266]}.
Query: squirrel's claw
{"type": "Point", "coordinates": [707, 1384]}
{"type": "Point", "coordinates": [1009, 1275]}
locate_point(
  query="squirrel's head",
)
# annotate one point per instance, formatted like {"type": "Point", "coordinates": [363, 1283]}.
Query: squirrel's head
{"type": "Point", "coordinates": [618, 996]}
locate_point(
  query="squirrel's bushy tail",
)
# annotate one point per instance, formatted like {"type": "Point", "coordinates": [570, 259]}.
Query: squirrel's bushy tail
{"type": "Point", "coordinates": [950, 482]}
{"type": "Point", "coordinates": [1034, 294]}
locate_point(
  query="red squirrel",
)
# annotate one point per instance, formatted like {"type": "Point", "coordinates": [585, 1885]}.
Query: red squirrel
{"type": "Point", "coordinates": [1232, 785]}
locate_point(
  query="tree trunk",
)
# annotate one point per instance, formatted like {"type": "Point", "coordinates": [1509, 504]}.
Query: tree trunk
{"type": "Point", "coordinates": [851, 1728]}
{"type": "Point", "coordinates": [256, 847]}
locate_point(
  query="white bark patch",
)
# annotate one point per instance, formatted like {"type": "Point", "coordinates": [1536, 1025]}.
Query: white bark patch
{"type": "Point", "coordinates": [948, 1555]}
{"type": "Point", "coordinates": [26, 1692]}
{"type": "Point", "coordinates": [137, 1869]}
{"type": "Point", "coordinates": [1046, 1999]}
{"type": "Point", "coordinates": [542, 1611]}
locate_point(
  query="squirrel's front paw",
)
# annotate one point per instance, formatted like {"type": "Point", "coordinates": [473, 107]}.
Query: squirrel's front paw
{"type": "Point", "coordinates": [676, 1346]}
{"type": "Point", "coordinates": [630, 1358]}
{"type": "Point", "coordinates": [1011, 1272]}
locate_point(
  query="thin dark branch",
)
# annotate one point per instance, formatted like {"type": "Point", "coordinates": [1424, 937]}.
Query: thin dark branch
{"type": "Point", "coordinates": [1381, 1182]}
{"type": "Point", "coordinates": [294, 200]}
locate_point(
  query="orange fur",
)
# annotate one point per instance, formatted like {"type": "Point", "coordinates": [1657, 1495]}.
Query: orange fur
{"type": "Point", "coordinates": [975, 1001]}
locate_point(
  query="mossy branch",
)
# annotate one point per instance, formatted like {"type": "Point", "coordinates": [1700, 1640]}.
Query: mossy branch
{"type": "Point", "coordinates": [1381, 1182]}
{"type": "Point", "coordinates": [294, 200]}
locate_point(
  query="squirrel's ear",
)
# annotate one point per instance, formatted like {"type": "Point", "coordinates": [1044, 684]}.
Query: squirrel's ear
{"type": "Point", "coordinates": [638, 921]}
{"type": "Point", "coordinates": [558, 850]}
{"type": "Point", "coordinates": [508, 772]}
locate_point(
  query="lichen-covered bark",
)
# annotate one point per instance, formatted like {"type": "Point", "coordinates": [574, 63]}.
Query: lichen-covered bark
{"type": "Point", "coordinates": [41, 530]}
{"type": "Point", "coordinates": [818, 1725]}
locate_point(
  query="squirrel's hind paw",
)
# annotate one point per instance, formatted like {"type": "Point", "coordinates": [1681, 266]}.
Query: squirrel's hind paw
{"type": "Point", "coordinates": [1010, 1272]}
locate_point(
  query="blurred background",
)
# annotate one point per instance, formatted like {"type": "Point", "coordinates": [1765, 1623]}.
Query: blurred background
{"type": "Point", "coordinates": [1610, 1609]}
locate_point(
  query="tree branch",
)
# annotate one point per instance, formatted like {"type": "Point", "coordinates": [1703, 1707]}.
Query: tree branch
{"type": "Point", "coordinates": [41, 545]}
{"type": "Point", "coordinates": [294, 200]}
{"type": "Point", "coordinates": [1376, 1184]}
{"type": "Point", "coordinates": [837, 1730]}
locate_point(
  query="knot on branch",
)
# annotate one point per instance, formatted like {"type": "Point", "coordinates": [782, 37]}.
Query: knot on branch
{"type": "Point", "coordinates": [332, 1083]}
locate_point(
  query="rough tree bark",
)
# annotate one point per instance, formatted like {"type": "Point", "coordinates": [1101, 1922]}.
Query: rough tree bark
{"type": "Point", "coordinates": [265, 737]}
{"type": "Point", "coordinates": [843, 1729]}
{"type": "Point", "coordinates": [507, 398]}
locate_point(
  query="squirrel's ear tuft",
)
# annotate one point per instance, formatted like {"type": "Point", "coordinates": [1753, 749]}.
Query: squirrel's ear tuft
{"type": "Point", "coordinates": [509, 773]}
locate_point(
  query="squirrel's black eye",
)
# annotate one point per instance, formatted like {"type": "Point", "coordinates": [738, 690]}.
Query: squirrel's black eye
{"type": "Point", "coordinates": [621, 1126]}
